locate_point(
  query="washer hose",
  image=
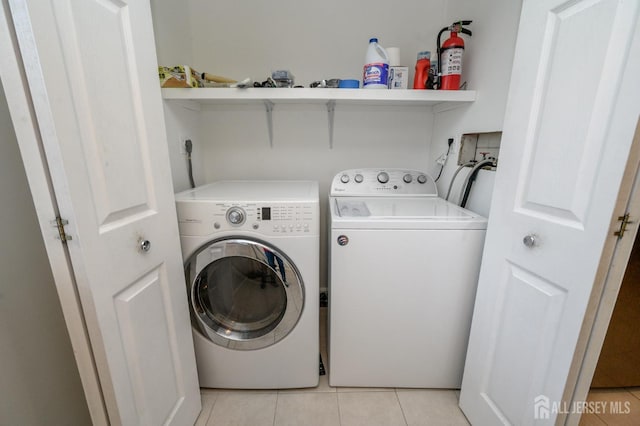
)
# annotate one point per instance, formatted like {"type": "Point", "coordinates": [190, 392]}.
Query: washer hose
{"type": "Point", "coordinates": [470, 163]}
{"type": "Point", "coordinates": [466, 186]}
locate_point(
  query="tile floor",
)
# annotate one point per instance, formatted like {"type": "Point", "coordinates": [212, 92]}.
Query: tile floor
{"type": "Point", "coordinates": [330, 406]}
{"type": "Point", "coordinates": [614, 406]}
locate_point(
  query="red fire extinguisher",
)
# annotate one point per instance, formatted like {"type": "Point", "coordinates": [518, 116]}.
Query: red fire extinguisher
{"type": "Point", "coordinates": [450, 56]}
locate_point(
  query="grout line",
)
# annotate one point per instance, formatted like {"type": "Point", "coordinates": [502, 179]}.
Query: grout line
{"type": "Point", "coordinates": [404, 417]}
{"type": "Point", "coordinates": [633, 394]}
{"type": "Point", "coordinates": [599, 418]}
{"type": "Point", "coordinates": [215, 401]}
{"type": "Point", "coordinates": [275, 410]}
{"type": "Point", "coordinates": [339, 413]}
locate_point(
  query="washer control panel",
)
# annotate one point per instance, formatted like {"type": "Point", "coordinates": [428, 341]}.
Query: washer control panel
{"type": "Point", "coordinates": [288, 218]}
{"type": "Point", "coordinates": [384, 182]}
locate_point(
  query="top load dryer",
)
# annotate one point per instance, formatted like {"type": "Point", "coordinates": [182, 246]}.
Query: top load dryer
{"type": "Point", "coordinates": [404, 266]}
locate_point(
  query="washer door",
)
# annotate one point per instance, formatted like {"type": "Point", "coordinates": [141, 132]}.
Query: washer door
{"type": "Point", "coordinates": [244, 294]}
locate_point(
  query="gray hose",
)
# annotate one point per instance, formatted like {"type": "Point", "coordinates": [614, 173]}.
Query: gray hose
{"type": "Point", "coordinates": [478, 165]}
{"type": "Point", "coordinates": [470, 163]}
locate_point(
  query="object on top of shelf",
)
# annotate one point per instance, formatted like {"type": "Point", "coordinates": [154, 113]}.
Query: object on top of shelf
{"type": "Point", "coordinates": [283, 78]}
{"type": "Point", "coordinates": [217, 78]}
{"type": "Point", "coordinates": [179, 76]}
{"type": "Point", "coordinates": [450, 56]}
{"type": "Point", "coordinates": [349, 84]}
{"type": "Point", "coordinates": [375, 73]}
{"type": "Point", "coordinates": [330, 83]}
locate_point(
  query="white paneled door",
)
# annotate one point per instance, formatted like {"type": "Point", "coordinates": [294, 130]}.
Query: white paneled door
{"type": "Point", "coordinates": [92, 75]}
{"type": "Point", "coordinates": [573, 107]}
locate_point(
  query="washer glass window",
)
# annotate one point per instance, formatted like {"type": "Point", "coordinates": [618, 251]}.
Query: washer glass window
{"type": "Point", "coordinates": [244, 294]}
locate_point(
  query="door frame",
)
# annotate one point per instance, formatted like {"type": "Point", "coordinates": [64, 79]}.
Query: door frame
{"type": "Point", "coordinates": [613, 264]}
{"type": "Point", "coordinates": [27, 130]}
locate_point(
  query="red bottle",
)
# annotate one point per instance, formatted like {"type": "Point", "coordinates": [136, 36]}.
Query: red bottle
{"type": "Point", "coordinates": [423, 64]}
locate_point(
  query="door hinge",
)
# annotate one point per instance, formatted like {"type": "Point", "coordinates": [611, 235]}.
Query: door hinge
{"type": "Point", "coordinates": [624, 221]}
{"type": "Point", "coordinates": [60, 223]}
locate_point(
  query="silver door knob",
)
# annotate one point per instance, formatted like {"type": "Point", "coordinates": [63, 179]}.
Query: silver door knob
{"type": "Point", "coordinates": [530, 240]}
{"type": "Point", "coordinates": [145, 245]}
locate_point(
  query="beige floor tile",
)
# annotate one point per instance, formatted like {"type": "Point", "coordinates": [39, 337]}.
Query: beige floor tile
{"type": "Point", "coordinates": [591, 419]}
{"type": "Point", "coordinates": [431, 407]}
{"type": "Point", "coordinates": [222, 390]}
{"type": "Point", "coordinates": [635, 391]}
{"type": "Point", "coordinates": [308, 409]}
{"type": "Point", "coordinates": [619, 407]}
{"type": "Point", "coordinates": [370, 409]}
{"type": "Point", "coordinates": [243, 409]}
{"type": "Point", "coordinates": [208, 398]}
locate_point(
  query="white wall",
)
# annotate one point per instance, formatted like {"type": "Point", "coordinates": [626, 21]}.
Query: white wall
{"type": "Point", "coordinates": [39, 383]}
{"type": "Point", "coordinates": [183, 122]}
{"type": "Point", "coordinates": [314, 40]}
{"type": "Point", "coordinates": [171, 28]}
{"type": "Point", "coordinates": [487, 69]}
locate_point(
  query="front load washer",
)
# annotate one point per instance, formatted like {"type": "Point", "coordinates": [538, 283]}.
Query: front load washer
{"type": "Point", "coordinates": [404, 267]}
{"type": "Point", "coordinates": [251, 257]}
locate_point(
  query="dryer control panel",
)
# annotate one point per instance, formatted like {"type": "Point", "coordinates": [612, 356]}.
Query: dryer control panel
{"type": "Point", "coordinates": [287, 218]}
{"type": "Point", "coordinates": [383, 182]}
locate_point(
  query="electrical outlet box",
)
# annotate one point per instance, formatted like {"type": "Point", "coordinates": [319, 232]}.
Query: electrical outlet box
{"type": "Point", "coordinates": [475, 147]}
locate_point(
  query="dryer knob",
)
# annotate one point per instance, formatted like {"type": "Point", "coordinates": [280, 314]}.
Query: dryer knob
{"type": "Point", "coordinates": [407, 178]}
{"type": "Point", "coordinates": [358, 178]}
{"type": "Point", "coordinates": [383, 177]}
{"type": "Point", "coordinates": [235, 216]}
{"type": "Point", "coordinates": [422, 179]}
{"type": "Point", "coordinates": [344, 178]}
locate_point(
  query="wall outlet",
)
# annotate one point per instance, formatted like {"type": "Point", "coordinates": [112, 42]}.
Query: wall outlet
{"type": "Point", "coordinates": [454, 147]}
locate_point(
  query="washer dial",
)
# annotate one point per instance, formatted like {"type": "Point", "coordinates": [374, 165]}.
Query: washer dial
{"type": "Point", "coordinates": [383, 177]}
{"type": "Point", "coordinates": [236, 216]}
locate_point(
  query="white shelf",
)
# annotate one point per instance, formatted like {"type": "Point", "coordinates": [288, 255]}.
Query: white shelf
{"type": "Point", "coordinates": [437, 100]}
{"type": "Point", "coordinates": [443, 99]}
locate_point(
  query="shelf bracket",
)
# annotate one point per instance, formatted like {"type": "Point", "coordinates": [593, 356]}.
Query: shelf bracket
{"type": "Point", "coordinates": [269, 108]}
{"type": "Point", "coordinates": [331, 109]}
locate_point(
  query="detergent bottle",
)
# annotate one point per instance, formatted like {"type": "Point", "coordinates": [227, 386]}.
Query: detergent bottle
{"type": "Point", "coordinates": [375, 73]}
{"type": "Point", "coordinates": [423, 64]}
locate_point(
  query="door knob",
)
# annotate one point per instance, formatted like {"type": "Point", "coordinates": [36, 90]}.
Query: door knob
{"type": "Point", "coordinates": [145, 245]}
{"type": "Point", "coordinates": [530, 240]}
